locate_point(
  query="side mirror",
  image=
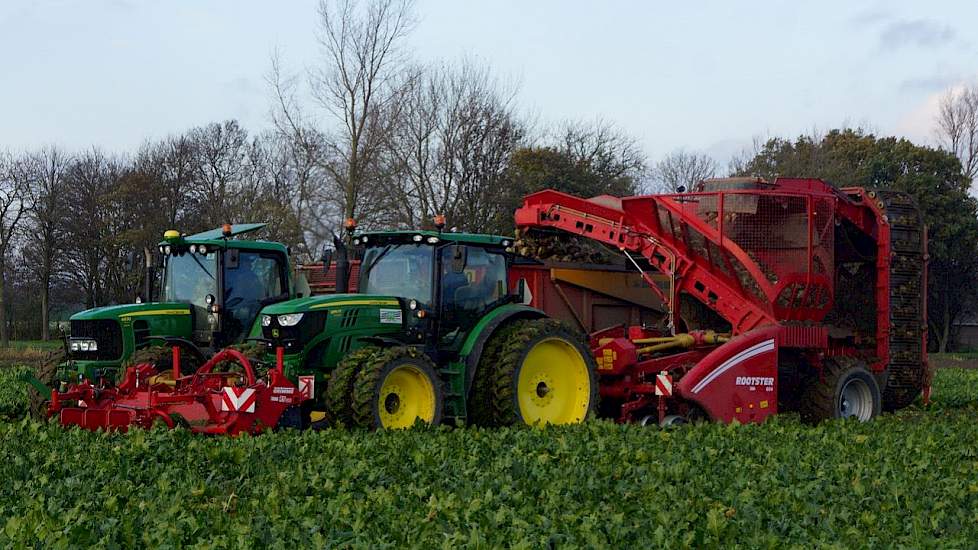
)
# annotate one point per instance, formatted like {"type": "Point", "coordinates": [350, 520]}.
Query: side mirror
{"type": "Point", "coordinates": [459, 258]}
{"type": "Point", "coordinates": [523, 292]}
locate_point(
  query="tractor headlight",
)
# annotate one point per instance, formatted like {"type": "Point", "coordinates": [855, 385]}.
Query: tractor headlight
{"type": "Point", "coordinates": [417, 238]}
{"type": "Point", "coordinates": [266, 320]}
{"type": "Point", "coordinates": [167, 249]}
{"type": "Point", "coordinates": [83, 345]}
{"type": "Point", "coordinates": [413, 304]}
{"type": "Point", "coordinates": [193, 249]}
{"type": "Point", "coordinates": [202, 249]}
{"type": "Point", "coordinates": [289, 319]}
{"type": "Point", "coordinates": [432, 240]}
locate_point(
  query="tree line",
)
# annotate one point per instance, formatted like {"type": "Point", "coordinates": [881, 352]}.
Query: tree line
{"type": "Point", "coordinates": [370, 133]}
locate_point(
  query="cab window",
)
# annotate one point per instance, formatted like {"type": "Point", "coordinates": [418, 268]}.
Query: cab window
{"type": "Point", "coordinates": [467, 294]}
{"type": "Point", "coordinates": [257, 277]}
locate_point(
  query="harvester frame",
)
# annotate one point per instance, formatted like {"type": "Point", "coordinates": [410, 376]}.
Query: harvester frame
{"type": "Point", "coordinates": [774, 311]}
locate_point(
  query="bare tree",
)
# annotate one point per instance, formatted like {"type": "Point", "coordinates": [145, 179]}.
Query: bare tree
{"type": "Point", "coordinates": [957, 127]}
{"type": "Point", "coordinates": [606, 151]}
{"type": "Point", "coordinates": [451, 145]}
{"type": "Point", "coordinates": [358, 85]}
{"type": "Point", "coordinates": [300, 160]}
{"type": "Point", "coordinates": [44, 175]}
{"type": "Point", "coordinates": [13, 207]}
{"type": "Point", "coordinates": [90, 182]}
{"type": "Point", "coordinates": [680, 170]}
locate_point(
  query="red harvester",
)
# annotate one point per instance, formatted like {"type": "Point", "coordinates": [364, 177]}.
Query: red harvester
{"type": "Point", "coordinates": [785, 295]}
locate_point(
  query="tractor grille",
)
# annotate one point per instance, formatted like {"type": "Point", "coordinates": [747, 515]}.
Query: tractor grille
{"type": "Point", "coordinates": [311, 325]}
{"type": "Point", "coordinates": [108, 334]}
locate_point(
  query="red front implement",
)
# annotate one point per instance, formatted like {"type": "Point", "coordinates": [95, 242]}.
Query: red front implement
{"type": "Point", "coordinates": [207, 401]}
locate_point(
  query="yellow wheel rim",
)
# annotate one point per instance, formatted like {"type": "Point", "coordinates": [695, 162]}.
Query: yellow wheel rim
{"type": "Point", "coordinates": [406, 395]}
{"type": "Point", "coordinates": [554, 386]}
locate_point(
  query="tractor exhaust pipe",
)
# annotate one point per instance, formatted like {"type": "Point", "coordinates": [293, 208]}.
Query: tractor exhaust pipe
{"type": "Point", "coordinates": [342, 266]}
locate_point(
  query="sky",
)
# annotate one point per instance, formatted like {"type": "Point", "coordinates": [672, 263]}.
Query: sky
{"type": "Point", "coordinates": [699, 75]}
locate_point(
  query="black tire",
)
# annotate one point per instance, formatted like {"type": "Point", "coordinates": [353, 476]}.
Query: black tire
{"type": "Point", "coordinates": [511, 360]}
{"type": "Point", "coordinates": [480, 411]}
{"type": "Point", "coordinates": [897, 397]}
{"type": "Point", "coordinates": [37, 404]}
{"type": "Point", "coordinates": [371, 406]}
{"type": "Point", "coordinates": [845, 389]}
{"type": "Point", "coordinates": [161, 357]}
{"type": "Point", "coordinates": [339, 388]}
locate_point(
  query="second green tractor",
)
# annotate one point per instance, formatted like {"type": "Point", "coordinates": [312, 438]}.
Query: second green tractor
{"type": "Point", "coordinates": [434, 335]}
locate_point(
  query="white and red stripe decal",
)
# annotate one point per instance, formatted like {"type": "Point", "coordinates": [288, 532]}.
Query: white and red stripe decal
{"type": "Point", "coordinates": [663, 384]}
{"type": "Point", "coordinates": [307, 387]}
{"type": "Point", "coordinates": [238, 399]}
{"type": "Point", "coordinates": [753, 351]}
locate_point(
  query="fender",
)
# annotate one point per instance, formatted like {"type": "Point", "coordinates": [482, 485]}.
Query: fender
{"type": "Point", "coordinates": [483, 330]}
{"type": "Point", "coordinates": [738, 380]}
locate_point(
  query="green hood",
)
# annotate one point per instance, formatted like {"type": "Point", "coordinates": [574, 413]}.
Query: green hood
{"type": "Point", "coordinates": [314, 303]}
{"type": "Point", "coordinates": [132, 310]}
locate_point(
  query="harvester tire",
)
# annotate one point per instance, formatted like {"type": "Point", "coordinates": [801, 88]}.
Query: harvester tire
{"type": "Point", "coordinates": [395, 388]}
{"type": "Point", "coordinates": [544, 374]}
{"type": "Point", "coordinates": [46, 373]}
{"type": "Point", "coordinates": [339, 388]}
{"type": "Point", "coordinates": [846, 389]}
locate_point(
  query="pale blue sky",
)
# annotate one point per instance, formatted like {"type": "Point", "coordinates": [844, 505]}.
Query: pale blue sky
{"type": "Point", "coordinates": [701, 75]}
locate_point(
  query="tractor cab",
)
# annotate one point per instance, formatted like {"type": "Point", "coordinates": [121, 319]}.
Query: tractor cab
{"type": "Point", "coordinates": [454, 278]}
{"type": "Point", "coordinates": [226, 282]}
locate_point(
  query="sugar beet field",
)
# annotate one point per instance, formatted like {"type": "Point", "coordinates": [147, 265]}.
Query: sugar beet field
{"type": "Point", "coordinates": [908, 479]}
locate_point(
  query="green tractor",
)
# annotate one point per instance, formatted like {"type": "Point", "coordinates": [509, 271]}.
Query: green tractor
{"type": "Point", "coordinates": [437, 333]}
{"type": "Point", "coordinates": [214, 287]}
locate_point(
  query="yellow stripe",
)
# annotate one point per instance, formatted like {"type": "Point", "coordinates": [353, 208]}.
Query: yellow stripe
{"type": "Point", "coordinates": [156, 312]}
{"type": "Point", "coordinates": [357, 303]}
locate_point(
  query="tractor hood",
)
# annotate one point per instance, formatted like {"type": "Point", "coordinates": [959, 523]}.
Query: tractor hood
{"type": "Point", "coordinates": [126, 311]}
{"type": "Point", "coordinates": [318, 303]}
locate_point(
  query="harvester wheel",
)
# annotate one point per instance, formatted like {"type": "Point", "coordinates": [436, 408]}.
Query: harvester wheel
{"type": "Point", "coordinates": [46, 373]}
{"type": "Point", "coordinates": [544, 374]}
{"type": "Point", "coordinates": [395, 388]}
{"type": "Point", "coordinates": [846, 389]}
{"type": "Point", "coordinates": [339, 389]}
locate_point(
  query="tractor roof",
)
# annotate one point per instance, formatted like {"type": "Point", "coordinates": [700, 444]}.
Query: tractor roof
{"type": "Point", "coordinates": [217, 237]}
{"type": "Point", "coordinates": [476, 239]}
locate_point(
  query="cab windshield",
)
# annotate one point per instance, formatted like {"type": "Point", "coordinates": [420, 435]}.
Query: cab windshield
{"type": "Point", "coordinates": [190, 277]}
{"type": "Point", "coordinates": [402, 270]}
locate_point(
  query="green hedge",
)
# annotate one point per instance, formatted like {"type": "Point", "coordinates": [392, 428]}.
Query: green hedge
{"type": "Point", "coordinates": [909, 479]}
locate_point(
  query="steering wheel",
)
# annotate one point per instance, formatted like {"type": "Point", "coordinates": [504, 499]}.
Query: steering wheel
{"type": "Point", "coordinates": [227, 355]}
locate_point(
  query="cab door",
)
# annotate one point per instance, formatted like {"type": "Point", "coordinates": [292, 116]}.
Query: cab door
{"type": "Point", "coordinates": [251, 280]}
{"type": "Point", "coordinates": [471, 281]}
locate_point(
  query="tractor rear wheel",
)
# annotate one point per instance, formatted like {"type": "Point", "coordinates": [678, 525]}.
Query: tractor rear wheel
{"type": "Point", "coordinates": [339, 388]}
{"type": "Point", "coordinates": [544, 374]}
{"type": "Point", "coordinates": [395, 388]}
{"type": "Point", "coordinates": [846, 389]}
{"type": "Point", "coordinates": [480, 404]}
{"type": "Point", "coordinates": [46, 373]}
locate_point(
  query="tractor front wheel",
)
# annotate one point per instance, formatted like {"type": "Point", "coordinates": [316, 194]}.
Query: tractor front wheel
{"type": "Point", "coordinates": [46, 374]}
{"type": "Point", "coordinates": [395, 388]}
{"type": "Point", "coordinates": [846, 389]}
{"type": "Point", "coordinates": [339, 389]}
{"type": "Point", "coordinates": [544, 374]}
